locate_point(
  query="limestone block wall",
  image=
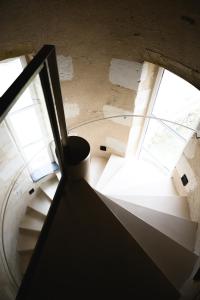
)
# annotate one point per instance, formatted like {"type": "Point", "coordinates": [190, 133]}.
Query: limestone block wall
{"type": "Point", "coordinates": [10, 164]}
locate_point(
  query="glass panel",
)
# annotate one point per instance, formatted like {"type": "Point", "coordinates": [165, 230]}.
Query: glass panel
{"type": "Point", "coordinates": [24, 101]}
{"type": "Point", "coordinates": [178, 101]}
{"type": "Point", "coordinates": [26, 126]}
{"type": "Point", "coordinates": [162, 145]}
{"type": "Point", "coordinates": [40, 161]}
{"type": "Point", "coordinates": [32, 150]}
{"type": "Point", "coordinates": [9, 71]}
{"type": "Point", "coordinates": [30, 127]}
{"type": "Point", "coordinates": [182, 132]}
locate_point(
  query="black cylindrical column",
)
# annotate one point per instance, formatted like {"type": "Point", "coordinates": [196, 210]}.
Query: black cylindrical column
{"type": "Point", "coordinates": [77, 158]}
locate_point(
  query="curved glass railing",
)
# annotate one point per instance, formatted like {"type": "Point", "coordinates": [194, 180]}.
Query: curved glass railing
{"type": "Point", "coordinates": [125, 116]}
{"type": "Point", "coordinates": [13, 208]}
{"type": "Point", "coordinates": [113, 132]}
{"type": "Point", "coordinates": [157, 140]}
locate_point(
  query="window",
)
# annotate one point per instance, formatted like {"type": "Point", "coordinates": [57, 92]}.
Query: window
{"type": "Point", "coordinates": [26, 120]}
{"type": "Point", "coordinates": [178, 101]}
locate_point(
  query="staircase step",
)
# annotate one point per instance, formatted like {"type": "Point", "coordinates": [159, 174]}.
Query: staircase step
{"type": "Point", "coordinates": [27, 241]}
{"type": "Point", "coordinates": [173, 205]}
{"type": "Point", "coordinates": [24, 261]}
{"type": "Point", "coordinates": [41, 203]}
{"type": "Point", "coordinates": [32, 221]}
{"type": "Point", "coordinates": [180, 230]}
{"type": "Point", "coordinates": [138, 177]}
{"type": "Point", "coordinates": [175, 261]}
{"type": "Point", "coordinates": [97, 166]}
{"type": "Point", "coordinates": [58, 175]}
{"type": "Point", "coordinates": [49, 187]}
{"type": "Point", "coordinates": [113, 165]}
{"type": "Point", "coordinates": [92, 243]}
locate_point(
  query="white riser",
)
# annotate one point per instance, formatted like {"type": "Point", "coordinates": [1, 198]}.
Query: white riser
{"type": "Point", "coordinates": [41, 203]}
{"type": "Point", "coordinates": [112, 167]}
{"type": "Point", "coordinates": [32, 221]}
{"type": "Point", "coordinates": [173, 205]}
{"type": "Point", "coordinates": [180, 230]}
{"type": "Point", "coordinates": [49, 187]}
{"type": "Point", "coordinates": [27, 241]}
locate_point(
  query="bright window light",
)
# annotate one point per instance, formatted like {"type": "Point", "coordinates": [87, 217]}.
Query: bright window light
{"type": "Point", "coordinates": [177, 101]}
{"type": "Point", "coordinates": [25, 120]}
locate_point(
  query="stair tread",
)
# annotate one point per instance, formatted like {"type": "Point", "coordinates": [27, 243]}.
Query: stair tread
{"type": "Point", "coordinates": [27, 241]}
{"type": "Point", "coordinates": [173, 205]}
{"type": "Point", "coordinates": [111, 252]}
{"type": "Point", "coordinates": [113, 165]}
{"type": "Point", "coordinates": [32, 221]}
{"type": "Point", "coordinates": [138, 177]}
{"type": "Point", "coordinates": [180, 230]}
{"type": "Point", "coordinates": [174, 260]}
{"type": "Point", "coordinates": [49, 187]}
{"type": "Point", "coordinates": [41, 203]}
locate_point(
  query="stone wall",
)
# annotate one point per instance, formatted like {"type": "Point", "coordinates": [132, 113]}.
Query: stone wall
{"type": "Point", "coordinates": [10, 164]}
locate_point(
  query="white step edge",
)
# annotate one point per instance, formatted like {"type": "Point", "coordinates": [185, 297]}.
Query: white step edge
{"type": "Point", "coordinates": [172, 205]}
{"type": "Point", "coordinates": [113, 165]}
{"type": "Point", "coordinates": [32, 221]}
{"type": "Point", "coordinates": [27, 241]}
{"type": "Point", "coordinates": [175, 261]}
{"type": "Point", "coordinates": [49, 187]}
{"type": "Point", "coordinates": [58, 175]}
{"type": "Point", "coordinates": [41, 203]}
{"type": "Point", "coordinates": [148, 187]}
{"type": "Point", "coordinates": [180, 230]}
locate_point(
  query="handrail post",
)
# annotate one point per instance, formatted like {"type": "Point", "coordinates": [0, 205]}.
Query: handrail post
{"type": "Point", "coordinates": [55, 84]}
{"type": "Point", "coordinates": [44, 78]}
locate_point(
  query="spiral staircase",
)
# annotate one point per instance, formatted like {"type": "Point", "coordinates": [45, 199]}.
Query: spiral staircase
{"type": "Point", "coordinates": [146, 204]}
{"type": "Point", "coordinates": [125, 231]}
